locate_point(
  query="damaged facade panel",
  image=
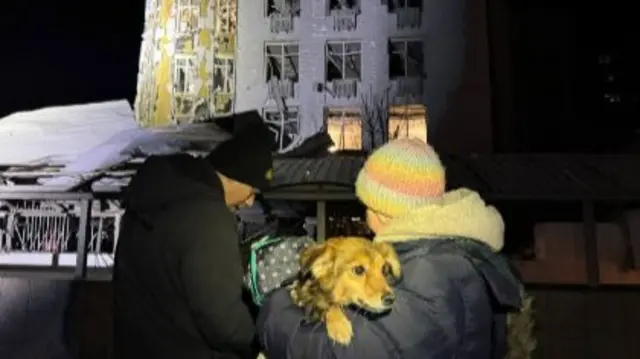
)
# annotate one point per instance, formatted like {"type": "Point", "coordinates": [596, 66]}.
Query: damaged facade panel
{"type": "Point", "coordinates": [187, 61]}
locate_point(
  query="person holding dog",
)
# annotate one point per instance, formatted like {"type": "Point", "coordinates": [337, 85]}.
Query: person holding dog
{"type": "Point", "coordinates": [456, 289]}
{"type": "Point", "coordinates": [178, 272]}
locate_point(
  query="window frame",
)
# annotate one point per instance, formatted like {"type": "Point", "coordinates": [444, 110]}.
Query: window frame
{"type": "Point", "coordinates": [405, 56]}
{"type": "Point", "coordinates": [292, 3]}
{"type": "Point", "coordinates": [191, 73]}
{"type": "Point", "coordinates": [343, 55]}
{"type": "Point", "coordinates": [186, 6]}
{"type": "Point", "coordinates": [281, 123]}
{"type": "Point", "coordinates": [283, 58]}
{"type": "Point", "coordinates": [356, 6]}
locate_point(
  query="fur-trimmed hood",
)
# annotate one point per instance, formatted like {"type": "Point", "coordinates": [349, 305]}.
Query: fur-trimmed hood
{"type": "Point", "coordinates": [461, 213]}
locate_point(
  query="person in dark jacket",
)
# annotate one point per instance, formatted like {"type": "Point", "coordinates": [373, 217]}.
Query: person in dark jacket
{"type": "Point", "coordinates": [456, 289]}
{"type": "Point", "coordinates": [178, 272]}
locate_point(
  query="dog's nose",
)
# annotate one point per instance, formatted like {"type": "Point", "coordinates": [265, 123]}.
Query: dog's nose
{"type": "Point", "coordinates": [388, 299]}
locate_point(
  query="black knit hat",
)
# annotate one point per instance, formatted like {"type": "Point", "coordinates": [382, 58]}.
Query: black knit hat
{"type": "Point", "coordinates": [246, 157]}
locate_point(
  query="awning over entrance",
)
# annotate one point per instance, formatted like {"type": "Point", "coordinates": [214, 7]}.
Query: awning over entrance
{"type": "Point", "coordinates": [315, 179]}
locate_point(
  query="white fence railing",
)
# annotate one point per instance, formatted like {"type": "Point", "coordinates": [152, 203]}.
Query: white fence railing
{"type": "Point", "coordinates": [72, 233]}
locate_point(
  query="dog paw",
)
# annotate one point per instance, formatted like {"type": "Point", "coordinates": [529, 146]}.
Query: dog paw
{"type": "Point", "coordinates": [338, 326]}
{"type": "Point", "coordinates": [295, 298]}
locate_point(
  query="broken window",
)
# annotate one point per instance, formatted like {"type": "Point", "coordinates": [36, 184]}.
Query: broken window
{"type": "Point", "coordinates": [344, 126]}
{"type": "Point", "coordinates": [283, 7]}
{"type": "Point", "coordinates": [343, 60]}
{"type": "Point", "coordinates": [188, 16]}
{"type": "Point", "coordinates": [406, 59]}
{"type": "Point", "coordinates": [223, 85]}
{"type": "Point", "coordinates": [226, 20]}
{"type": "Point", "coordinates": [282, 61]}
{"type": "Point", "coordinates": [285, 126]}
{"type": "Point", "coordinates": [394, 5]}
{"type": "Point", "coordinates": [408, 121]}
{"type": "Point", "coordinates": [185, 75]}
{"type": "Point", "coordinates": [344, 4]}
{"type": "Point", "coordinates": [222, 74]}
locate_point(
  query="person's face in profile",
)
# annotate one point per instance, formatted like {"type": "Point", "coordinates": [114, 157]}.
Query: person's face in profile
{"type": "Point", "coordinates": [375, 221]}
{"type": "Point", "coordinates": [239, 195]}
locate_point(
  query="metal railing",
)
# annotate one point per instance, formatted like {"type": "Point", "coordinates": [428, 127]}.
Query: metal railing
{"type": "Point", "coordinates": [59, 234]}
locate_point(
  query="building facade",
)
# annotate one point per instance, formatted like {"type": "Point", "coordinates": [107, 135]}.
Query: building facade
{"type": "Point", "coordinates": [353, 68]}
{"type": "Point", "coordinates": [187, 61]}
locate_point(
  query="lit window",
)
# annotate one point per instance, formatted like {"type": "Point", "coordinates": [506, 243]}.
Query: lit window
{"type": "Point", "coordinates": [285, 126]}
{"type": "Point", "coordinates": [408, 121]}
{"type": "Point", "coordinates": [344, 126]}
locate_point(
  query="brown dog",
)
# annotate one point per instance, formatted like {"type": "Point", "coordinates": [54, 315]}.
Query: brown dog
{"type": "Point", "coordinates": [345, 271]}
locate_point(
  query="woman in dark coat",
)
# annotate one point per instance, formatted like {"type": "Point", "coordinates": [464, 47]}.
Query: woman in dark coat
{"type": "Point", "coordinates": [456, 289]}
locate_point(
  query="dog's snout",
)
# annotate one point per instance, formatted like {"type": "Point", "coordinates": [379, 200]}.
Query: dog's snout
{"type": "Point", "coordinates": [388, 299]}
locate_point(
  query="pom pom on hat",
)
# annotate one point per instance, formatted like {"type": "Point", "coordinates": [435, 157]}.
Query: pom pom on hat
{"type": "Point", "coordinates": [400, 176]}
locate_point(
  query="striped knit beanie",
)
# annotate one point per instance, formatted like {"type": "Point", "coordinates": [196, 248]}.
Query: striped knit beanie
{"type": "Point", "coordinates": [400, 176]}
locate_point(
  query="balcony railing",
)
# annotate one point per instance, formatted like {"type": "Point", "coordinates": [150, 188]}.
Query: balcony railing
{"type": "Point", "coordinates": [344, 19]}
{"type": "Point", "coordinates": [344, 88]}
{"type": "Point", "coordinates": [281, 22]}
{"type": "Point", "coordinates": [408, 86]}
{"type": "Point", "coordinates": [280, 89]}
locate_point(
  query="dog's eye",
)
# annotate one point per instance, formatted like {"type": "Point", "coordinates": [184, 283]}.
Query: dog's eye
{"type": "Point", "coordinates": [386, 269]}
{"type": "Point", "coordinates": [358, 270]}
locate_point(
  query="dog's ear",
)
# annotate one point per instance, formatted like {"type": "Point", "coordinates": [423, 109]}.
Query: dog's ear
{"type": "Point", "coordinates": [316, 261]}
{"type": "Point", "coordinates": [390, 256]}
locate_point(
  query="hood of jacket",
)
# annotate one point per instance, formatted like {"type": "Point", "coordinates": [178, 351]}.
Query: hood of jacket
{"type": "Point", "coordinates": [461, 216]}
{"type": "Point", "coordinates": [163, 180]}
{"type": "Point", "coordinates": [461, 213]}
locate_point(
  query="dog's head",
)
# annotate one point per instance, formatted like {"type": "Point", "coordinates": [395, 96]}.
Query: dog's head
{"type": "Point", "coordinates": [353, 271]}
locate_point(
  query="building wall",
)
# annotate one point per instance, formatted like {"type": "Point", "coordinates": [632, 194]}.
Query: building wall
{"type": "Point", "coordinates": [442, 31]}
{"type": "Point", "coordinates": [180, 77]}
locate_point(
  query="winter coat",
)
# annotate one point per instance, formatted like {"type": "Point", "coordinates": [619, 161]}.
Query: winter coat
{"type": "Point", "coordinates": [178, 273]}
{"type": "Point", "coordinates": [451, 303]}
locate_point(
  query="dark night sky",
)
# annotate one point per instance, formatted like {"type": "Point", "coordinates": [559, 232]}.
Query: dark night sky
{"type": "Point", "coordinates": [71, 51]}
{"type": "Point", "coordinates": [62, 52]}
